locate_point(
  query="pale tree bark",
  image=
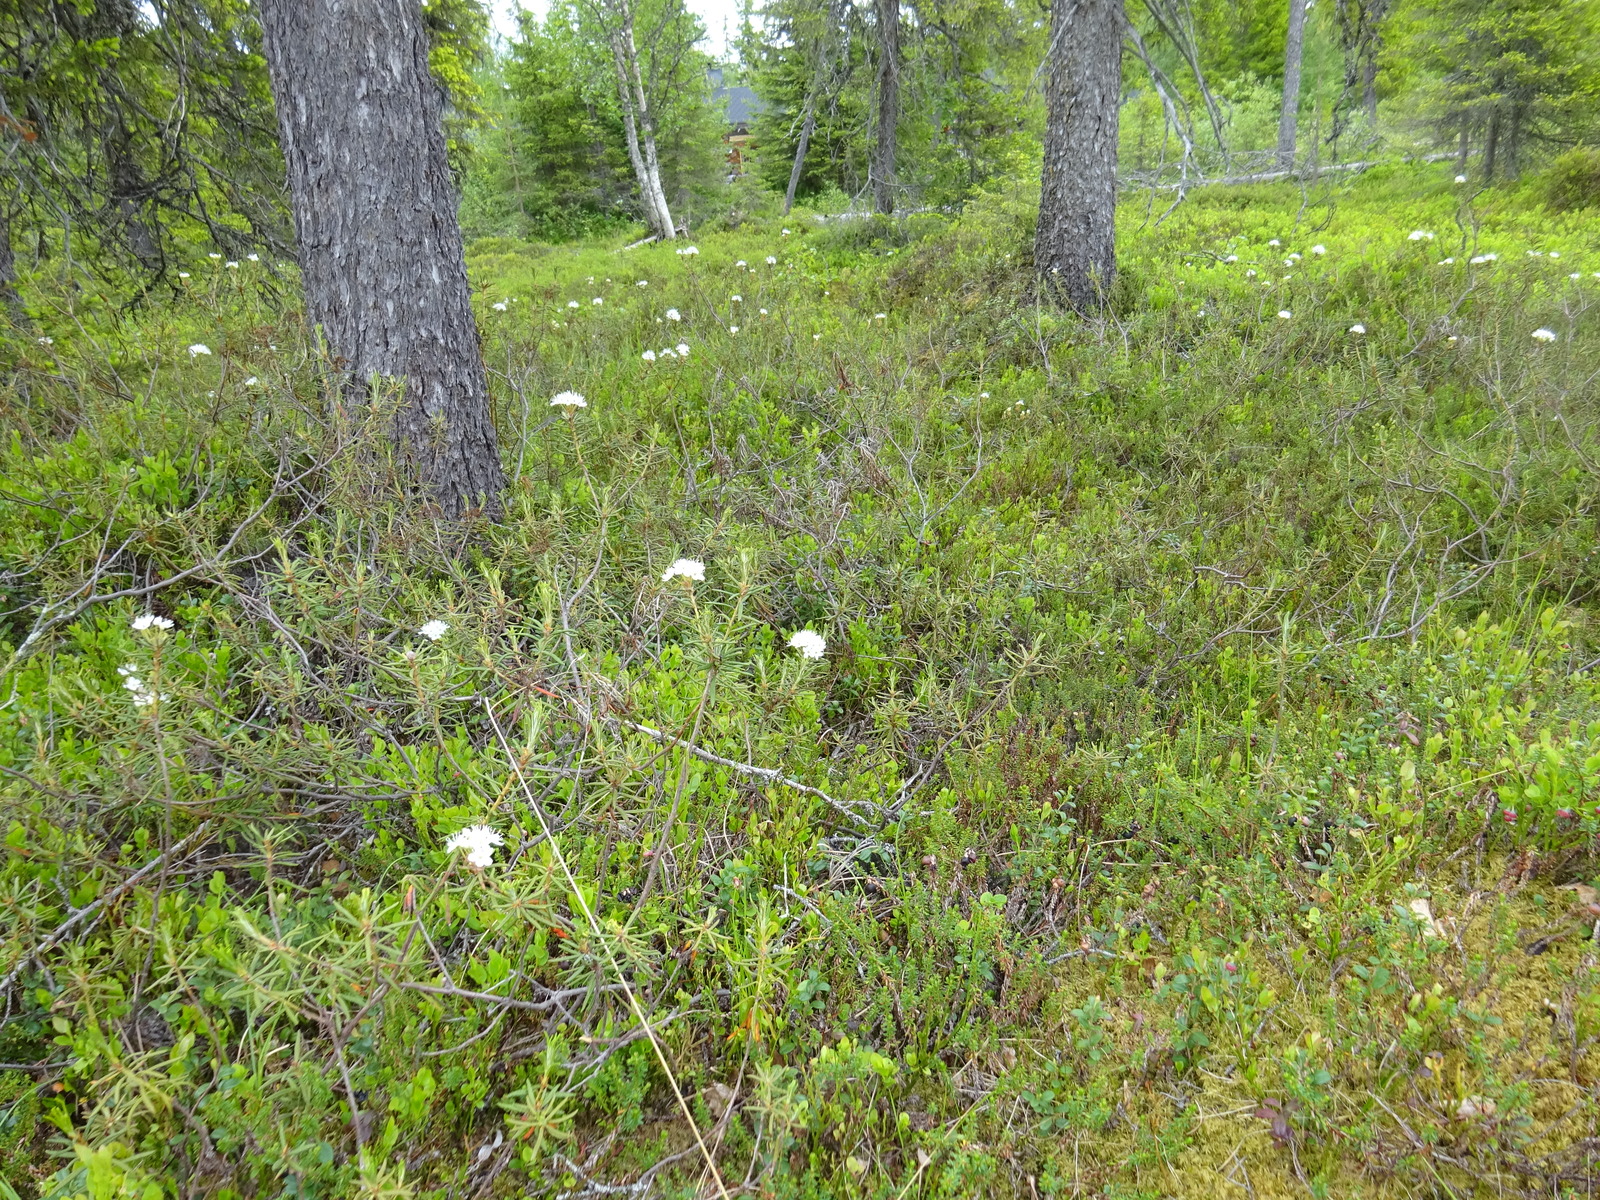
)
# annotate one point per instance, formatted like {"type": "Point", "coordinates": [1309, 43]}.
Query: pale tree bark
{"type": "Point", "coordinates": [1293, 51]}
{"type": "Point", "coordinates": [380, 251]}
{"type": "Point", "coordinates": [881, 168]}
{"type": "Point", "coordinates": [1074, 249]}
{"type": "Point", "coordinates": [638, 127]}
{"type": "Point", "coordinates": [806, 127]}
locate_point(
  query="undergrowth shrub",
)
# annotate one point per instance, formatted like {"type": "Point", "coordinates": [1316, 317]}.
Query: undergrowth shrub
{"type": "Point", "coordinates": [1201, 766]}
{"type": "Point", "coordinates": [1572, 180]}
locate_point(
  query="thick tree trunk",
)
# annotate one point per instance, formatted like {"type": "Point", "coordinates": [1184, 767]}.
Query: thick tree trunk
{"type": "Point", "coordinates": [1289, 115]}
{"type": "Point", "coordinates": [1461, 151]}
{"type": "Point", "coordinates": [806, 128]}
{"type": "Point", "coordinates": [1075, 247]}
{"type": "Point", "coordinates": [1369, 85]}
{"type": "Point", "coordinates": [375, 217]}
{"type": "Point", "coordinates": [883, 150]}
{"type": "Point", "coordinates": [1491, 146]}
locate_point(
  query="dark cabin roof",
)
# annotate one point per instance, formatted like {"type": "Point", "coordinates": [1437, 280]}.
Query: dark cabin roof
{"type": "Point", "coordinates": [743, 104]}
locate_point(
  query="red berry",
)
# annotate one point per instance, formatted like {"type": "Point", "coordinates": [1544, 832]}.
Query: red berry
{"type": "Point", "coordinates": [1510, 816]}
{"type": "Point", "coordinates": [1565, 814]}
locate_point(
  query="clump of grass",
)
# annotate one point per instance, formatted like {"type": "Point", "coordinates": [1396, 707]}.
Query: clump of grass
{"type": "Point", "coordinates": [1198, 781]}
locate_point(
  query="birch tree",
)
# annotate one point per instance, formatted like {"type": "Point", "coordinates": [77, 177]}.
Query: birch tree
{"type": "Point", "coordinates": [615, 20]}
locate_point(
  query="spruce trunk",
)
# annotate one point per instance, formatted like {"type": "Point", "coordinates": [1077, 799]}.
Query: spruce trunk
{"type": "Point", "coordinates": [1075, 246]}
{"type": "Point", "coordinates": [10, 298]}
{"type": "Point", "coordinates": [375, 218]}
{"type": "Point", "coordinates": [1289, 115]}
{"type": "Point", "coordinates": [883, 151]}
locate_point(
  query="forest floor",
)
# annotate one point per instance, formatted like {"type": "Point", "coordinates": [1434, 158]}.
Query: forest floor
{"type": "Point", "coordinates": [1197, 794]}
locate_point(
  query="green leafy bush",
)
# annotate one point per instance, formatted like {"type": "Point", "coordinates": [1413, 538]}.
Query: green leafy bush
{"type": "Point", "coordinates": [1572, 181]}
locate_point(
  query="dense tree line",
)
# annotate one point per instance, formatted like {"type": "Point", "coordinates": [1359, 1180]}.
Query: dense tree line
{"type": "Point", "coordinates": [137, 135]}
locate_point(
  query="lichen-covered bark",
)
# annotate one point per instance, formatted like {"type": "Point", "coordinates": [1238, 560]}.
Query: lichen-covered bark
{"type": "Point", "coordinates": [1075, 247]}
{"type": "Point", "coordinates": [375, 219]}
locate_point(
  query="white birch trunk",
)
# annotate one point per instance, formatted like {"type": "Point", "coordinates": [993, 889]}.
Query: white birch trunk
{"type": "Point", "coordinates": [638, 128]}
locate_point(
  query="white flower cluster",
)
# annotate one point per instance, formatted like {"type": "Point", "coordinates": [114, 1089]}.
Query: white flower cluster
{"type": "Point", "coordinates": [150, 621]}
{"type": "Point", "coordinates": [810, 645]}
{"type": "Point", "coordinates": [479, 842]}
{"type": "Point", "coordinates": [434, 630]}
{"type": "Point", "coordinates": [1544, 335]}
{"type": "Point", "coordinates": [685, 568]}
{"type": "Point", "coordinates": [568, 401]}
{"type": "Point", "coordinates": [143, 695]}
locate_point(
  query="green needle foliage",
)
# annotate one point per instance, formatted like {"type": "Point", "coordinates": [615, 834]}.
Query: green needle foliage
{"type": "Point", "coordinates": [1199, 782]}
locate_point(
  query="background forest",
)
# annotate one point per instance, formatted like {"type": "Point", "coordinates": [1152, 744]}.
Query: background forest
{"type": "Point", "coordinates": [147, 134]}
{"type": "Point", "coordinates": [895, 733]}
